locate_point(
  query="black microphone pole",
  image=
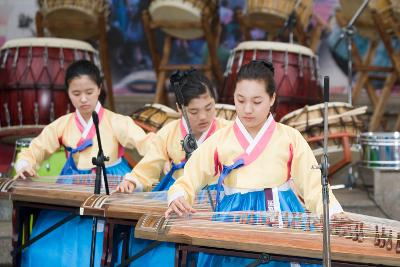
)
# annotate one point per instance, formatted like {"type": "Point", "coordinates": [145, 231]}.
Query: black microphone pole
{"type": "Point", "coordinates": [324, 180]}
{"type": "Point", "coordinates": [189, 142]}
{"type": "Point", "coordinates": [348, 31]}
{"type": "Point", "coordinates": [290, 23]}
{"type": "Point", "coordinates": [99, 162]}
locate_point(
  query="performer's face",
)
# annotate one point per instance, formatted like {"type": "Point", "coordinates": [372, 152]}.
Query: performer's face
{"type": "Point", "coordinates": [84, 94]}
{"type": "Point", "coordinates": [201, 112]}
{"type": "Point", "coordinates": [252, 104]}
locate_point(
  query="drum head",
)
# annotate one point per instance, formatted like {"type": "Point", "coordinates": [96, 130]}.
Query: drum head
{"type": "Point", "coordinates": [73, 19]}
{"type": "Point", "coordinates": [72, 23]}
{"type": "Point", "coordinates": [153, 117]}
{"type": "Point", "coordinates": [275, 46]}
{"type": "Point", "coordinates": [225, 111]}
{"type": "Point", "coordinates": [365, 23]}
{"type": "Point", "coordinates": [341, 117]}
{"type": "Point", "coordinates": [48, 42]}
{"type": "Point", "coordinates": [179, 11]}
{"type": "Point", "coordinates": [275, 13]}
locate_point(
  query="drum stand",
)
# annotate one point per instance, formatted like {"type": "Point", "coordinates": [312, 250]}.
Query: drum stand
{"type": "Point", "coordinates": [387, 25]}
{"type": "Point", "coordinates": [348, 31]}
{"type": "Point", "coordinates": [247, 23]}
{"type": "Point", "coordinates": [101, 36]}
{"type": "Point", "coordinates": [211, 28]}
{"type": "Point", "coordinates": [364, 67]}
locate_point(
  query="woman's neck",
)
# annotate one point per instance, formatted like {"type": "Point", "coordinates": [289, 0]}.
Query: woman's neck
{"type": "Point", "coordinates": [86, 117]}
{"type": "Point", "coordinates": [253, 131]}
{"type": "Point", "coordinates": [197, 135]}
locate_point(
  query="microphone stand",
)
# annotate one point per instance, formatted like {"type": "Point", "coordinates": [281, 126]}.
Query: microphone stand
{"type": "Point", "coordinates": [189, 141]}
{"type": "Point", "coordinates": [348, 32]}
{"type": "Point", "coordinates": [290, 23]}
{"type": "Point", "coordinates": [324, 181]}
{"type": "Point", "coordinates": [100, 166]}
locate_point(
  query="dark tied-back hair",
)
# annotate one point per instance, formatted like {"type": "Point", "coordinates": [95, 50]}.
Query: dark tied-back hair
{"type": "Point", "coordinates": [193, 84]}
{"type": "Point", "coordinates": [83, 67]}
{"type": "Point", "coordinates": [259, 70]}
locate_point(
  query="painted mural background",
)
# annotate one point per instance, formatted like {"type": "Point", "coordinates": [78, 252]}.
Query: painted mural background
{"type": "Point", "coordinates": [129, 55]}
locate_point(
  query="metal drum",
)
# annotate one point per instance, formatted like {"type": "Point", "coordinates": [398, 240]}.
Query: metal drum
{"type": "Point", "coordinates": [381, 150]}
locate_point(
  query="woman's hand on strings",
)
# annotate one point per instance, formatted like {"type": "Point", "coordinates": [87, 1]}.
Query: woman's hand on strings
{"type": "Point", "coordinates": [180, 207]}
{"type": "Point", "coordinates": [341, 216]}
{"type": "Point", "coordinates": [126, 186]}
{"type": "Point", "coordinates": [25, 173]}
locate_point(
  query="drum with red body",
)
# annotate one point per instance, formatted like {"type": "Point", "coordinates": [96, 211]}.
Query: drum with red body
{"type": "Point", "coordinates": [296, 73]}
{"type": "Point", "coordinates": [32, 90]}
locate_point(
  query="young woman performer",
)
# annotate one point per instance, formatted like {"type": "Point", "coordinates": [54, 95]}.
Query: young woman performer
{"type": "Point", "coordinates": [259, 160]}
{"type": "Point", "coordinates": [69, 245]}
{"type": "Point", "coordinates": [199, 100]}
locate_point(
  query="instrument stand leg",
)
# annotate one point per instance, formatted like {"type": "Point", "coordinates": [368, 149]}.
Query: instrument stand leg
{"type": "Point", "coordinates": [153, 245]}
{"type": "Point", "coordinates": [125, 236]}
{"type": "Point", "coordinates": [264, 258]}
{"type": "Point", "coordinates": [184, 258]}
{"type": "Point", "coordinates": [106, 244]}
{"type": "Point", "coordinates": [17, 250]}
{"type": "Point", "coordinates": [39, 24]}
{"type": "Point", "coordinates": [178, 257]}
{"type": "Point", "coordinates": [17, 233]}
{"type": "Point", "coordinates": [351, 179]}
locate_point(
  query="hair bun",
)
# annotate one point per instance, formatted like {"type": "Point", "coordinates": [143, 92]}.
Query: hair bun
{"type": "Point", "coordinates": [180, 76]}
{"type": "Point", "coordinates": [267, 64]}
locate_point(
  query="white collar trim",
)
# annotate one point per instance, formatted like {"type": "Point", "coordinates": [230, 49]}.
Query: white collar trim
{"type": "Point", "coordinates": [254, 142]}
{"type": "Point", "coordinates": [87, 126]}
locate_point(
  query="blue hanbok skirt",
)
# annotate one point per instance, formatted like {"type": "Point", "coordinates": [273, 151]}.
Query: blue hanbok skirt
{"type": "Point", "coordinates": [69, 244]}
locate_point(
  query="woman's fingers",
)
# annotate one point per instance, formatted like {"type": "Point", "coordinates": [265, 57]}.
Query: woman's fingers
{"type": "Point", "coordinates": [120, 188]}
{"type": "Point", "coordinates": [25, 173]}
{"type": "Point", "coordinates": [180, 207]}
{"type": "Point", "coordinates": [187, 206]}
{"type": "Point", "coordinates": [31, 172]}
{"type": "Point", "coordinates": [125, 187]}
{"type": "Point", "coordinates": [19, 175]}
{"type": "Point", "coordinates": [130, 187]}
{"type": "Point", "coordinates": [168, 212]}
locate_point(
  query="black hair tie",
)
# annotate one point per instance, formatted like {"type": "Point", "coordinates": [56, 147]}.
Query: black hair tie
{"type": "Point", "coordinates": [267, 64]}
{"type": "Point", "coordinates": [181, 76]}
